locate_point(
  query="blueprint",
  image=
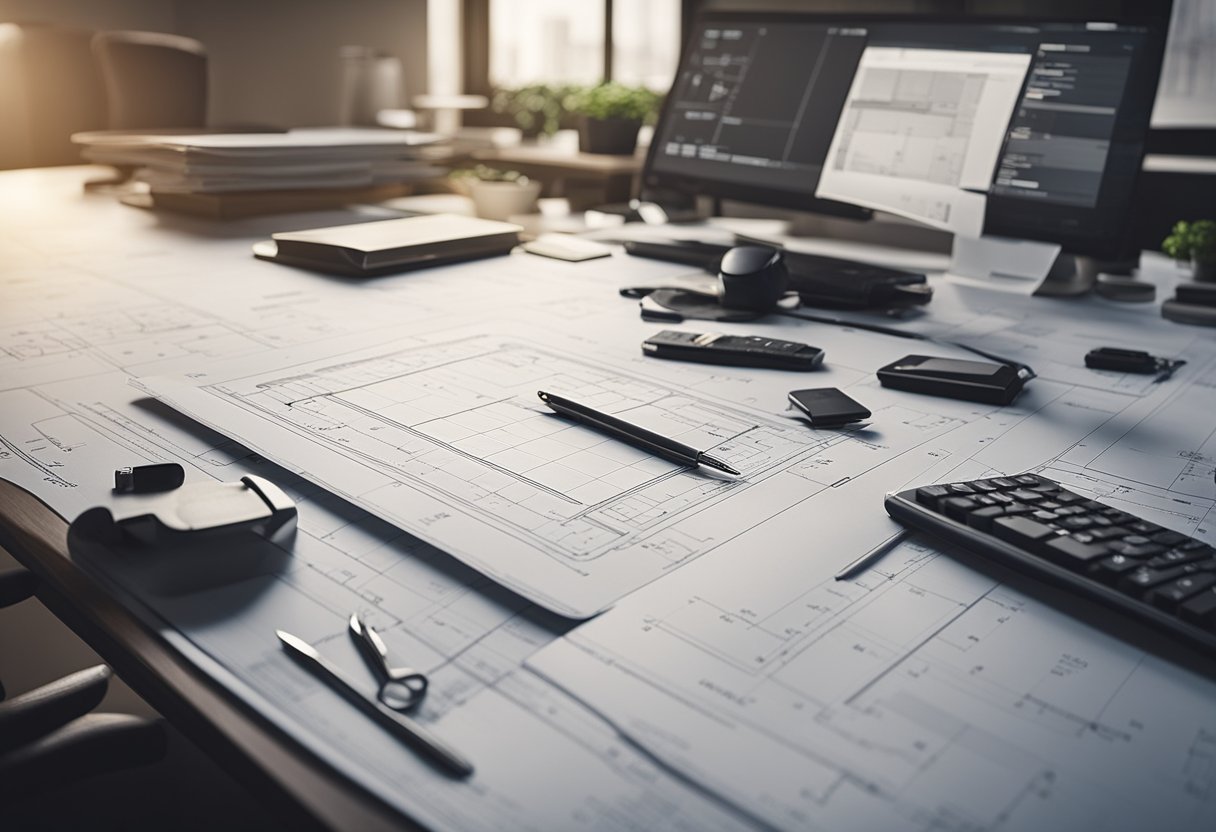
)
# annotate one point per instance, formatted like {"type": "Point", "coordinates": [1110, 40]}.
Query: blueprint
{"type": "Point", "coordinates": [449, 441]}
{"type": "Point", "coordinates": [924, 694]}
{"type": "Point", "coordinates": [74, 332]}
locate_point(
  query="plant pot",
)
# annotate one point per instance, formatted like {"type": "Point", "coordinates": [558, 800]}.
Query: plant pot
{"type": "Point", "coordinates": [499, 200]}
{"type": "Point", "coordinates": [616, 136]}
{"type": "Point", "coordinates": [1204, 271]}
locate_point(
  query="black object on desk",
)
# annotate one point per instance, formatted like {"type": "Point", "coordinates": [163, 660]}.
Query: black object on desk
{"type": "Point", "coordinates": [733, 350]}
{"type": "Point", "coordinates": [820, 281]}
{"type": "Point", "coordinates": [953, 378]}
{"type": "Point", "coordinates": [1032, 524]}
{"type": "Point", "coordinates": [635, 435]}
{"type": "Point", "coordinates": [147, 479]}
{"type": "Point", "coordinates": [1131, 361]}
{"type": "Point", "coordinates": [827, 407]}
{"type": "Point", "coordinates": [388, 246]}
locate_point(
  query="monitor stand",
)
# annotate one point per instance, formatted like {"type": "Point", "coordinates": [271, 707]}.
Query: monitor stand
{"type": "Point", "coordinates": [1003, 260]}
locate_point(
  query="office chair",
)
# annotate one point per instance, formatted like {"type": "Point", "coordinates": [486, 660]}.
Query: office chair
{"type": "Point", "coordinates": [48, 738]}
{"type": "Point", "coordinates": [49, 89]}
{"type": "Point", "coordinates": [152, 80]}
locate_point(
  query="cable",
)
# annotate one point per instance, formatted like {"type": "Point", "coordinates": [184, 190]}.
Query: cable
{"type": "Point", "coordinates": [1024, 370]}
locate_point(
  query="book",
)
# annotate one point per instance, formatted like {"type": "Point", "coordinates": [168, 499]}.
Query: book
{"type": "Point", "coordinates": [387, 246]}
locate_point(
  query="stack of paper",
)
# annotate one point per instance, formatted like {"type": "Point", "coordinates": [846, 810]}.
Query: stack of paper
{"type": "Point", "coordinates": [243, 162]}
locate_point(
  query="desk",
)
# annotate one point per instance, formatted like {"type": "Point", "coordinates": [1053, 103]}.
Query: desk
{"type": "Point", "coordinates": [96, 293]}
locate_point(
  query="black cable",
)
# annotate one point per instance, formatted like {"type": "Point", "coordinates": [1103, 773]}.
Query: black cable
{"type": "Point", "coordinates": [1023, 369]}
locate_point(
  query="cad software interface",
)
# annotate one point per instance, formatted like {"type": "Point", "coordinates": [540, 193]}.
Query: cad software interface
{"type": "Point", "coordinates": [757, 103]}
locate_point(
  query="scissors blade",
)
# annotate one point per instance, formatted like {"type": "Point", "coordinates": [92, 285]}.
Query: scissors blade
{"type": "Point", "coordinates": [374, 647]}
{"type": "Point", "coordinates": [297, 645]}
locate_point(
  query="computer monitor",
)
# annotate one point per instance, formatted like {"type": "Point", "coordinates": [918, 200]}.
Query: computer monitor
{"type": "Point", "coordinates": [756, 101]}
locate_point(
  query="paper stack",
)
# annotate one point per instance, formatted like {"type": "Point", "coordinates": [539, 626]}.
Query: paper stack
{"type": "Point", "coordinates": [243, 162]}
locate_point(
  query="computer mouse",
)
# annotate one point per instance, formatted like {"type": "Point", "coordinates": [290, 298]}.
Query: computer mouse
{"type": "Point", "coordinates": [752, 277]}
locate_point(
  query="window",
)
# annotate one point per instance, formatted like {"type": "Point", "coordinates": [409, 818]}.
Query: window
{"type": "Point", "coordinates": [563, 42]}
{"type": "Point", "coordinates": [645, 42]}
{"type": "Point", "coordinates": [546, 41]}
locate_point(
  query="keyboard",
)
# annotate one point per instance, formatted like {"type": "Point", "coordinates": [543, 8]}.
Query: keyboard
{"type": "Point", "coordinates": [1033, 524]}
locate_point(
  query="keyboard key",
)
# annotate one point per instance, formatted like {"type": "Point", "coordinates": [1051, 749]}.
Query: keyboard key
{"type": "Point", "coordinates": [1106, 532]}
{"type": "Point", "coordinates": [957, 508]}
{"type": "Point", "coordinates": [960, 488]}
{"type": "Point", "coordinates": [983, 486]}
{"type": "Point", "coordinates": [1072, 553]}
{"type": "Point", "coordinates": [1141, 527]}
{"type": "Point", "coordinates": [930, 494]}
{"type": "Point", "coordinates": [1144, 578]}
{"type": "Point", "coordinates": [1028, 479]}
{"type": "Point", "coordinates": [1169, 538]}
{"type": "Point", "coordinates": [1076, 523]}
{"type": "Point", "coordinates": [982, 518]}
{"type": "Point", "coordinates": [1200, 610]}
{"type": "Point", "coordinates": [1022, 531]}
{"type": "Point", "coordinates": [1112, 569]}
{"type": "Point", "coordinates": [1067, 497]}
{"type": "Point", "coordinates": [1176, 557]}
{"type": "Point", "coordinates": [1003, 483]}
{"type": "Point", "coordinates": [1134, 550]}
{"type": "Point", "coordinates": [1023, 495]}
{"type": "Point", "coordinates": [1169, 596]}
{"type": "Point", "coordinates": [1000, 497]}
{"type": "Point", "coordinates": [1194, 544]}
{"type": "Point", "coordinates": [1044, 516]}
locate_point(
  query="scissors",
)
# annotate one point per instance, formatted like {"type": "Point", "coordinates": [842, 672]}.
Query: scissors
{"type": "Point", "coordinates": [401, 688]}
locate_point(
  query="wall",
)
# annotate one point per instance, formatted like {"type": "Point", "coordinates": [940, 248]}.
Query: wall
{"type": "Point", "coordinates": [152, 15]}
{"type": "Point", "coordinates": [271, 61]}
{"type": "Point", "coordinates": [276, 61]}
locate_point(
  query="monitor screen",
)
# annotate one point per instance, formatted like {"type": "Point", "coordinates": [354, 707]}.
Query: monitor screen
{"type": "Point", "coordinates": [753, 108]}
{"type": "Point", "coordinates": [1045, 119]}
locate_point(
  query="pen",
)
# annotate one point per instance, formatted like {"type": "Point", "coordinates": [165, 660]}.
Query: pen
{"type": "Point", "coordinates": [631, 433]}
{"type": "Point", "coordinates": [401, 726]}
{"type": "Point", "coordinates": [871, 556]}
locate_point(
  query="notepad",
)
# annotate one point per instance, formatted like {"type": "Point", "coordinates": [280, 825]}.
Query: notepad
{"type": "Point", "coordinates": [387, 246]}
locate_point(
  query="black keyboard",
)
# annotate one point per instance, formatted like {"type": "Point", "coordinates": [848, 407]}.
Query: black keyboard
{"type": "Point", "coordinates": [1032, 524]}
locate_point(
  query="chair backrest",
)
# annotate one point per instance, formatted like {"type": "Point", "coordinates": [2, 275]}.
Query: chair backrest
{"type": "Point", "coordinates": [153, 80]}
{"type": "Point", "coordinates": [49, 89]}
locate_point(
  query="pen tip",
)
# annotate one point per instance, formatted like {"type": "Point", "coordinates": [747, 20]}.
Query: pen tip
{"type": "Point", "coordinates": [714, 462]}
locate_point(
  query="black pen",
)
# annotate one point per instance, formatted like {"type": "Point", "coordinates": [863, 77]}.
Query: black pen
{"type": "Point", "coordinates": [872, 556]}
{"type": "Point", "coordinates": [645, 439]}
{"type": "Point", "coordinates": [402, 727]}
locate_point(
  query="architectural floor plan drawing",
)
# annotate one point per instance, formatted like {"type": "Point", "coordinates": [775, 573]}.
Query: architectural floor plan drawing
{"type": "Point", "coordinates": [919, 128]}
{"type": "Point", "coordinates": [449, 441]}
{"type": "Point", "coordinates": [941, 674]}
{"type": "Point", "coordinates": [466, 632]}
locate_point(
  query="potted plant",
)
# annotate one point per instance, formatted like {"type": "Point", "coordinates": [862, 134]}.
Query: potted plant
{"type": "Point", "coordinates": [611, 115]}
{"type": "Point", "coordinates": [536, 108]}
{"type": "Point", "coordinates": [1196, 242]}
{"type": "Point", "coordinates": [497, 194]}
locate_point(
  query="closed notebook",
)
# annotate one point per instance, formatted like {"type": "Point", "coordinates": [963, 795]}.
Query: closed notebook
{"type": "Point", "coordinates": [386, 246]}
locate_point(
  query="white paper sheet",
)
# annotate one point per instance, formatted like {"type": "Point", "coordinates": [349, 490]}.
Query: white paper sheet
{"type": "Point", "coordinates": [920, 133]}
{"type": "Point", "coordinates": [922, 693]}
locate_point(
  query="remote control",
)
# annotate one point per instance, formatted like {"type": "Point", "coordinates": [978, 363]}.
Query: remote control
{"type": "Point", "coordinates": [735, 350]}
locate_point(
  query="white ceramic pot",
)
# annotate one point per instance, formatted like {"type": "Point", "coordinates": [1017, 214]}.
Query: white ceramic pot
{"type": "Point", "coordinates": [499, 200]}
